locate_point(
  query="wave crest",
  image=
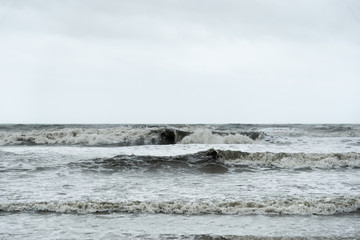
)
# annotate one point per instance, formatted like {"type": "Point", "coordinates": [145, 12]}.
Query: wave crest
{"type": "Point", "coordinates": [322, 206]}
{"type": "Point", "coordinates": [205, 136]}
{"type": "Point", "coordinates": [290, 160]}
{"type": "Point", "coordinates": [220, 161]}
{"type": "Point", "coordinates": [122, 136]}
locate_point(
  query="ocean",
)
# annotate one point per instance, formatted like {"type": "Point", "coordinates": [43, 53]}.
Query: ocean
{"type": "Point", "coordinates": [229, 181]}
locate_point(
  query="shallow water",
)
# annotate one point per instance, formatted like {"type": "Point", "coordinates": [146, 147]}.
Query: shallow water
{"type": "Point", "coordinates": [114, 225]}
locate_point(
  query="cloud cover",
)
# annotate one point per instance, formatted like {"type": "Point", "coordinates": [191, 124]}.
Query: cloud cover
{"type": "Point", "coordinates": [172, 61]}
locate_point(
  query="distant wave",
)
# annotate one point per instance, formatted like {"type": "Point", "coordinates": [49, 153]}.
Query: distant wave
{"type": "Point", "coordinates": [310, 131]}
{"type": "Point", "coordinates": [80, 136]}
{"type": "Point", "coordinates": [205, 136]}
{"type": "Point", "coordinates": [291, 206]}
{"type": "Point", "coordinates": [123, 136]}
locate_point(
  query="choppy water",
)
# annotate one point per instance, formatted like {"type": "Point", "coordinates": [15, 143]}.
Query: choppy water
{"type": "Point", "coordinates": [179, 181]}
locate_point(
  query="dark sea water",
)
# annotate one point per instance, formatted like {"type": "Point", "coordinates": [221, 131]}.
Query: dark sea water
{"type": "Point", "coordinates": [231, 181]}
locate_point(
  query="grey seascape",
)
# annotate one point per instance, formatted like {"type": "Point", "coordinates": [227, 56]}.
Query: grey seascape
{"type": "Point", "coordinates": [180, 119]}
{"type": "Point", "coordinates": [230, 181]}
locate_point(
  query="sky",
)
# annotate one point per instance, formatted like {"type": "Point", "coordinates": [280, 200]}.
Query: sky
{"type": "Point", "coordinates": [179, 61]}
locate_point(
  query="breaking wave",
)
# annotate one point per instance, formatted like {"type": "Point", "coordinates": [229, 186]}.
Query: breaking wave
{"type": "Point", "coordinates": [220, 161]}
{"type": "Point", "coordinates": [122, 136]}
{"type": "Point", "coordinates": [205, 161]}
{"type": "Point", "coordinates": [80, 136]}
{"type": "Point", "coordinates": [290, 160]}
{"type": "Point", "coordinates": [205, 136]}
{"type": "Point", "coordinates": [291, 206]}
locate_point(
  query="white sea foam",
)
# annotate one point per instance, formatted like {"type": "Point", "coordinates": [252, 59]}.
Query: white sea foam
{"type": "Point", "coordinates": [205, 136]}
{"type": "Point", "coordinates": [321, 206]}
{"type": "Point", "coordinates": [119, 136]}
{"type": "Point", "coordinates": [73, 136]}
{"type": "Point", "coordinates": [312, 131]}
{"type": "Point", "coordinates": [290, 160]}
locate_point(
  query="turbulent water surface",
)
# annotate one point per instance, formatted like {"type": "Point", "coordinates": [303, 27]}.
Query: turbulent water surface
{"type": "Point", "coordinates": [180, 181]}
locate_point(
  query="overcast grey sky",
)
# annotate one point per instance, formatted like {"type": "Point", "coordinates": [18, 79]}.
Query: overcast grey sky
{"type": "Point", "coordinates": [180, 61]}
